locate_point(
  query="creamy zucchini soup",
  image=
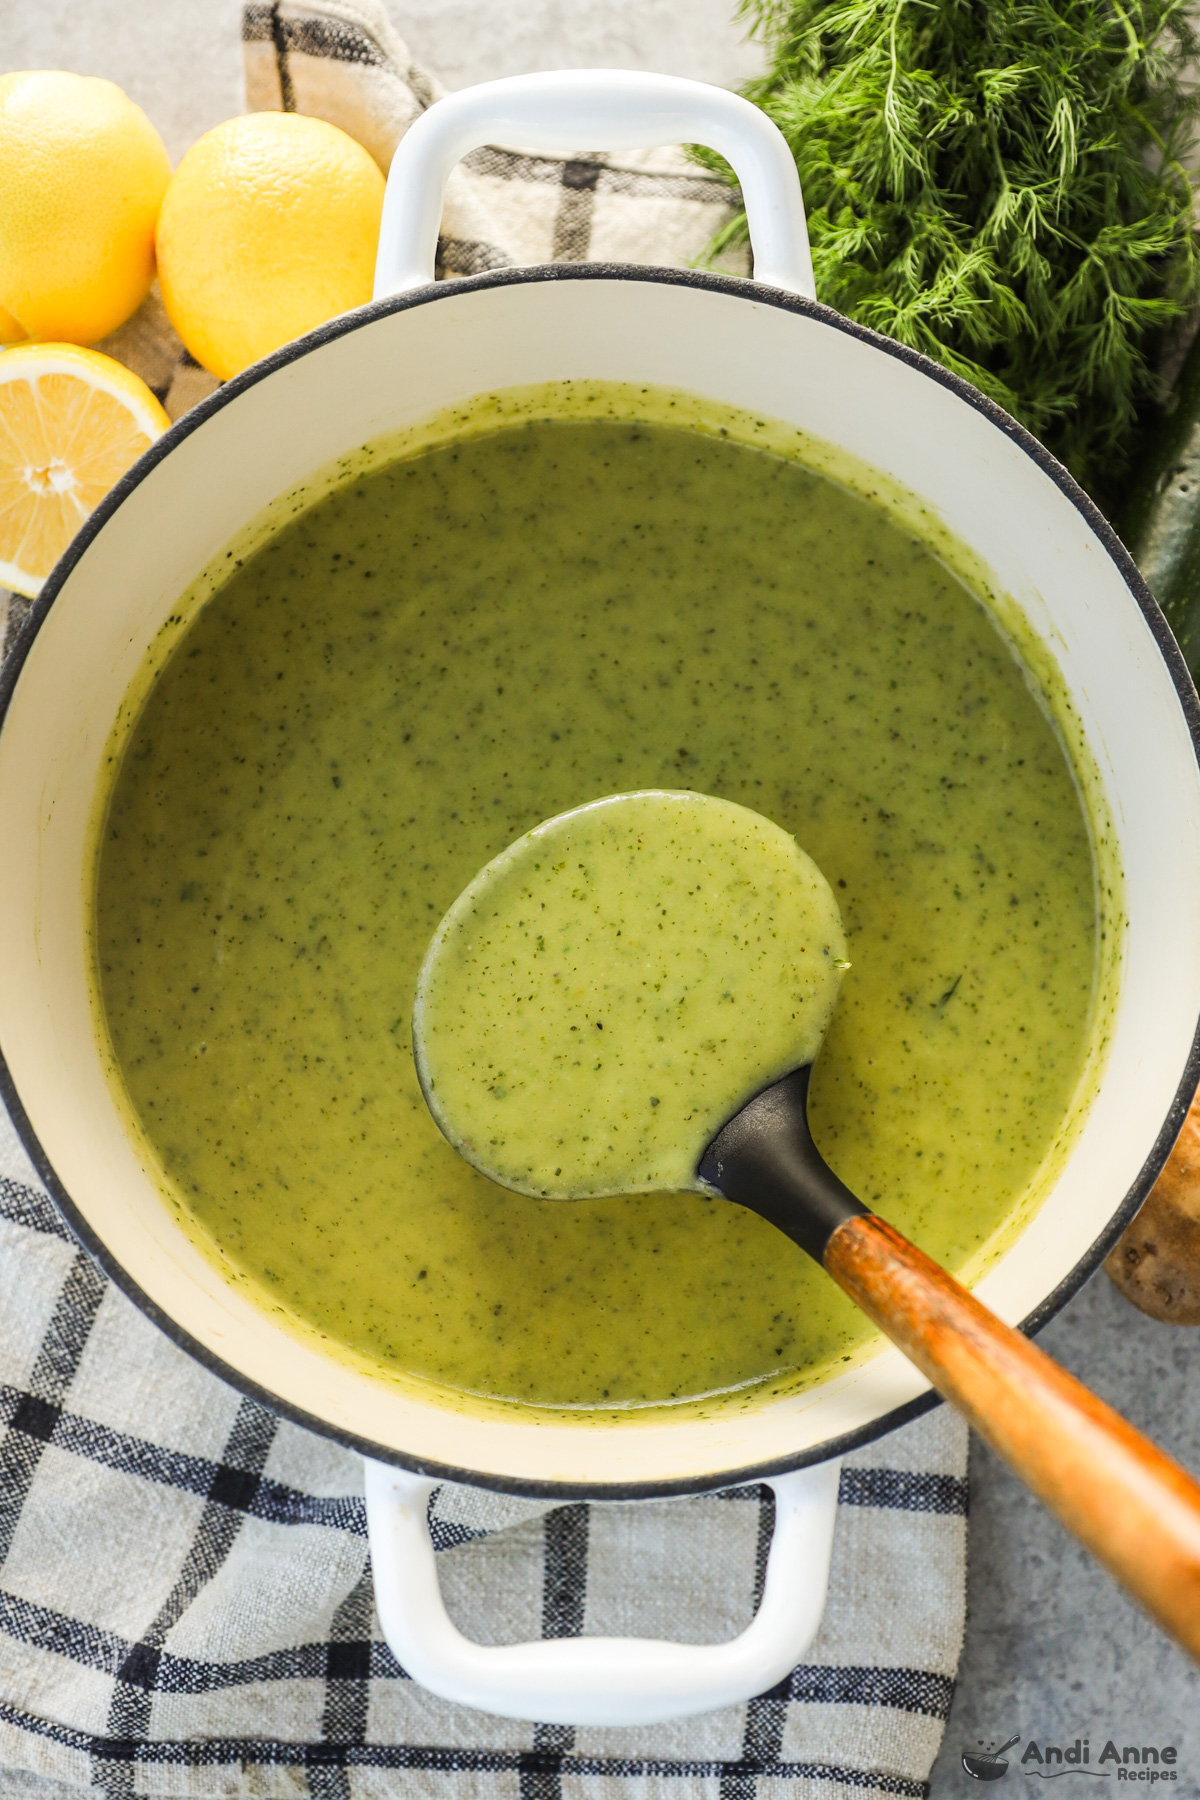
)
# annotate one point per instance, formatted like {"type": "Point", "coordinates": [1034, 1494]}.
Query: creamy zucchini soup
{"type": "Point", "coordinates": [615, 985]}
{"type": "Point", "coordinates": [412, 669]}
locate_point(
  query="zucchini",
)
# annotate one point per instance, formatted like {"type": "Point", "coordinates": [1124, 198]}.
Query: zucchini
{"type": "Point", "coordinates": [1160, 521]}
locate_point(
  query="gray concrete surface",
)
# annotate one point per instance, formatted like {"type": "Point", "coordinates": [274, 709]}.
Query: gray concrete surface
{"type": "Point", "coordinates": [1053, 1650]}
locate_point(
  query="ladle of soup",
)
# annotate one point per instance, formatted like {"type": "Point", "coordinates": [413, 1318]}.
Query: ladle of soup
{"type": "Point", "coordinates": [625, 974]}
{"type": "Point", "coordinates": [613, 987]}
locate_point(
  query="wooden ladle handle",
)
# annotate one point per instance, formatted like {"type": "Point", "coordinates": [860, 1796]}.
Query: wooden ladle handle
{"type": "Point", "coordinates": [1134, 1508]}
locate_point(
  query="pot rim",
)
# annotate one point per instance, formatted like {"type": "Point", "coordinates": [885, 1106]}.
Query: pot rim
{"type": "Point", "coordinates": [738, 287]}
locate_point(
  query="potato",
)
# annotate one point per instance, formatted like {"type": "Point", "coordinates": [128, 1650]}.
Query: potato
{"type": "Point", "coordinates": [1156, 1263]}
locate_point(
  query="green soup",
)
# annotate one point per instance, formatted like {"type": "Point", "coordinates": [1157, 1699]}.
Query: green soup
{"type": "Point", "coordinates": [415, 671]}
{"type": "Point", "coordinates": [609, 991]}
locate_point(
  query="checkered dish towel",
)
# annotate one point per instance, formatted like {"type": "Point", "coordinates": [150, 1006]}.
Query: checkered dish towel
{"type": "Point", "coordinates": [185, 1594]}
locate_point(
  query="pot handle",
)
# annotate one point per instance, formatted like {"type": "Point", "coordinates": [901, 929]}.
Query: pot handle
{"type": "Point", "coordinates": [607, 109]}
{"type": "Point", "coordinates": [598, 1681]}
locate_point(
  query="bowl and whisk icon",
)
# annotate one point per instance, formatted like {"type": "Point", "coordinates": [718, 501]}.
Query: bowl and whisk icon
{"type": "Point", "coordinates": [988, 1765]}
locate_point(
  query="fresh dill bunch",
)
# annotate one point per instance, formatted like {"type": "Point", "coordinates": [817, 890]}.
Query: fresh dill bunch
{"type": "Point", "coordinates": [999, 184]}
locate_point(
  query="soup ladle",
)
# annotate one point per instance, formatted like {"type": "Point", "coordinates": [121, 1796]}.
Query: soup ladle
{"type": "Point", "coordinates": [1125, 1499]}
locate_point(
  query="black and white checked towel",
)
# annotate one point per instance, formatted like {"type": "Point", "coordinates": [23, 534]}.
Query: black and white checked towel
{"type": "Point", "coordinates": [185, 1596]}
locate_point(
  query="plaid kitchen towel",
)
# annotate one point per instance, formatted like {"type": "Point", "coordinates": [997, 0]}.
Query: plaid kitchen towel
{"type": "Point", "coordinates": [185, 1596]}
{"type": "Point", "coordinates": [186, 1605]}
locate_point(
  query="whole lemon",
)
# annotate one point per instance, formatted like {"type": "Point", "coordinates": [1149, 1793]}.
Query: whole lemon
{"type": "Point", "coordinates": [268, 228]}
{"type": "Point", "coordinates": [82, 175]}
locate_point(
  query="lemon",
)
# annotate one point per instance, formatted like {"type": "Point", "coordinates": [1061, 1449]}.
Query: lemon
{"type": "Point", "coordinates": [82, 176]}
{"type": "Point", "coordinates": [268, 228]}
{"type": "Point", "coordinates": [71, 423]}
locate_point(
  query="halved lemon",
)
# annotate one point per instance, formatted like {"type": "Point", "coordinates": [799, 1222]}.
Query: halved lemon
{"type": "Point", "coordinates": [71, 423]}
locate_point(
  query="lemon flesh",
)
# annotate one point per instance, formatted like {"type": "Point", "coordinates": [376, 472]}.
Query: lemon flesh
{"type": "Point", "coordinates": [71, 423]}
{"type": "Point", "coordinates": [615, 985]}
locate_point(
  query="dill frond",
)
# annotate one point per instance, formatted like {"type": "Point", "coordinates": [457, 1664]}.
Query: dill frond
{"type": "Point", "coordinates": [999, 184]}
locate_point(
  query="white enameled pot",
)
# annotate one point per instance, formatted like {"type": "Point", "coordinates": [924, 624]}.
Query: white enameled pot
{"type": "Point", "coordinates": [765, 347]}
